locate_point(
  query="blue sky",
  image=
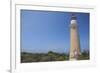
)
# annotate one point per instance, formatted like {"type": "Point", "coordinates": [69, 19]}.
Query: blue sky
{"type": "Point", "coordinates": [43, 31]}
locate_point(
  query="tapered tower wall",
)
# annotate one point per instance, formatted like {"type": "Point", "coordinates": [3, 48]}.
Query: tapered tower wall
{"type": "Point", "coordinates": [74, 39]}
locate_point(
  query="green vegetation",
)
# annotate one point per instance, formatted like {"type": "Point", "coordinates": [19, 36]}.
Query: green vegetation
{"type": "Point", "coordinates": [84, 55]}
{"type": "Point", "coordinates": [50, 56]}
{"type": "Point", "coordinates": [43, 57]}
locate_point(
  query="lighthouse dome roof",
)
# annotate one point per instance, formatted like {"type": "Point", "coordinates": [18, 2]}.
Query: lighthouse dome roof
{"type": "Point", "coordinates": [73, 17]}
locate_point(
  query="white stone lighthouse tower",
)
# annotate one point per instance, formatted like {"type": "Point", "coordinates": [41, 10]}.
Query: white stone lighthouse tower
{"type": "Point", "coordinates": [74, 39]}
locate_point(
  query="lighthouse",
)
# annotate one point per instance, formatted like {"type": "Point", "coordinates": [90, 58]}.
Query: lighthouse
{"type": "Point", "coordinates": [74, 39]}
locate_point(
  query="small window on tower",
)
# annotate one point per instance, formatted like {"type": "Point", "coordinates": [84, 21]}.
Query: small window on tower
{"type": "Point", "coordinates": [73, 26]}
